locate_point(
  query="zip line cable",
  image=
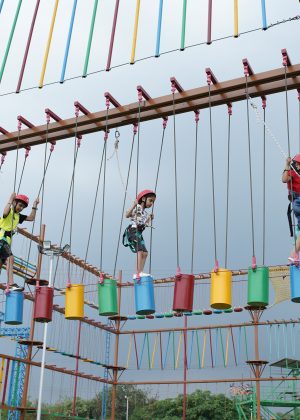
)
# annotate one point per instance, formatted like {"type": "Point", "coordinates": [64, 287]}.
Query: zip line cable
{"type": "Point", "coordinates": [203, 43]}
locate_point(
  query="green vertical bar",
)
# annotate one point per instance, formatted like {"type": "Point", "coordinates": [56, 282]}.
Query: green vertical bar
{"type": "Point", "coordinates": [183, 25]}
{"type": "Point", "coordinates": [87, 56]}
{"type": "Point", "coordinates": [10, 39]}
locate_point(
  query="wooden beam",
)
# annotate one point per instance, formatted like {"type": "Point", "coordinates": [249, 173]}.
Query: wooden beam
{"type": "Point", "coordinates": [265, 83]}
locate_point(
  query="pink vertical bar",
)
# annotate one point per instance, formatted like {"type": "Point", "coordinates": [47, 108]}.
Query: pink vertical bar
{"type": "Point", "coordinates": [209, 22]}
{"type": "Point", "coordinates": [28, 46]}
{"type": "Point", "coordinates": [112, 37]}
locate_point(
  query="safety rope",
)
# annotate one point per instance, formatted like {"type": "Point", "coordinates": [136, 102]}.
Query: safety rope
{"type": "Point", "coordinates": [229, 110]}
{"type": "Point", "coordinates": [27, 150]}
{"type": "Point", "coordinates": [165, 120]}
{"type": "Point", "coordinates": [212, 172]}
{"type": "Point", "coordinates": [250, 171]}
{"type": "Point", "coordinates": [178, 271]}
{"type": "Point", "coordinates": [44, 168]}
{"type": "Point", "coordinates": [197, 114]}
{"type": "Point", "coordinates": [135, 128]}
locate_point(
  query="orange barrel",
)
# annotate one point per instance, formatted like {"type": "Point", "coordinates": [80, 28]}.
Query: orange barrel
{"type": "Point", "coordinates": [183, 293]}
{"type": "Point", "coordinates": [220, 292]}
{"type": "Point", "coordinates": [74, 302]}
{"type": "Point", "coordinates": [43, 304]}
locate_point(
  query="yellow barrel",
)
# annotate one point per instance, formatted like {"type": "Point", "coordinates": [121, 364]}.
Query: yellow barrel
{"type": "Point", "coordinates": [220, 293]}
{"type": "Point", "coordinates": [74, 302]}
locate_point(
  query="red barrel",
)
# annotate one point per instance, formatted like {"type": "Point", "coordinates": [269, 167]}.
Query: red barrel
{"type": "Point", "coordinates": [183, 292]}
{"type": "Point", "coordinates": [43, 304]}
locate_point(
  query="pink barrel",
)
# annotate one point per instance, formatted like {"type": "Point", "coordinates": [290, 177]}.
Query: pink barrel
{"type": "Point", "coordinates": [43, 304]}
{"type": "Point", "coordinates": [183, 292]}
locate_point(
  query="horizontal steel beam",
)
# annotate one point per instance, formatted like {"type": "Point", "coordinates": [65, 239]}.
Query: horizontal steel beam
{"type": "Point", "coordinates": [259, 84]}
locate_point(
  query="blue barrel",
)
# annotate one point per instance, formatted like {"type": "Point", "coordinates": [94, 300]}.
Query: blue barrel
{"type": "Point", "coordinates": [144, 295]}
{"type": "Point", "coordinates": [295, 283]}
{"type": "Point", "coordinates": [14, 308]}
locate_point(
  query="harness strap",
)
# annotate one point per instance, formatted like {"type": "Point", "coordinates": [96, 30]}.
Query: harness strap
{"type": "Point", "coordinates": [289, 216]}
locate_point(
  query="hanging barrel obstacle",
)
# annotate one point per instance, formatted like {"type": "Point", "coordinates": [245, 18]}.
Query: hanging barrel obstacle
{"type": "Point", "coordinates": [14, 308]}
{"type": "Point", "coordinates": [258, 286]}
{"type": "Point", "coordinates": [43, 305]}
{"type": "Point", "coordinates": [220, 293]}
{"type": "Point", "coordinates": [144, 295]}
{"type": "Point", "coordinates": [107, 297]}
{"type": "Point", "coordinates": [295, 283]}
{"type": "Point", "coordinates": [74, 302]}
{"type": "Point", "coordinates": [183, 293]}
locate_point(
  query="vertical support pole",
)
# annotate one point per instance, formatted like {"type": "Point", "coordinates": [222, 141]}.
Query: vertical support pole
{"type": "Point", "coordinates": [209, 18]}
{"type": "Point", "coordinates": [5, 381]}
{"type": "Point", "coordinates": [76, 368]}
{"type": "Point", "coordinates": [185, 368]}
{"type": "Point", "coordinates": [257, 368]}
{"type": "Point", "coordinates": [32, 325]}
{"type": "Point", "coordinates": [39, 408]}
{"type": "Point", "coordinates": [115, 372]}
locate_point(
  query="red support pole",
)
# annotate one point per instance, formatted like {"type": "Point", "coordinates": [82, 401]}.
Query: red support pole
{"type": "Point", "coordinates": [76, 369]}
{"type": "Point", "coordinates": [185, 369]}
{"type": "Point", "coordinates": [112, 37]}
{"type": "Point", "coordinates": [5, 382]}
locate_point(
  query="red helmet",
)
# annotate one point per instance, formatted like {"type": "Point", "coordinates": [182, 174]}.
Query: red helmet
{"type": "Point", "coordinates": [143, 193]}
{"type": "Point", "coordinates": [296, 158]}
{"type": "Point", "coordinates": [23, 198]}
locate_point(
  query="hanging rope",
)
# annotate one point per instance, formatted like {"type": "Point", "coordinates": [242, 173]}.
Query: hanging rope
{"type": "Point", "coordinates": [27, 150]}
{"type": "Point", "coordinates": [246, 73]}
{"type": "Point", "coordinates": [173, 88]}
{"type": "Point", "coordinates": [135, 128]}
{"type": "Point", "coordinates": [229, 110]}
{"type": "Point", "coordinates": [165, 120]}
{"type": "Point", "coordinates": [197, 114]}
{"type": "Point", "coordinates": [209, 81]}
{"type": "Point", "coordinates": [140, 98]}
{"type": "Point", "coordinates": [103, 190]}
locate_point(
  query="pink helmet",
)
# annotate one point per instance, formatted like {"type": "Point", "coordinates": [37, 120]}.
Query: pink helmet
{"type": "Point", "coordinates": [143, 193]}
{"type": "Point", "coordinates": [296, 158]}
{"type": "Point", "coordinates": [23, 198]}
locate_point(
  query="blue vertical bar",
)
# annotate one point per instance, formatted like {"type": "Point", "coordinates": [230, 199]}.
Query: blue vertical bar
{"type": "Point", "coordinates": [1, 5]}
{"type": "Point", "coordinates": [62, 77]}
{"type": "Point", "coordinates": [264, 16]}
{"type": "Point", "coordinates": [159, 28]}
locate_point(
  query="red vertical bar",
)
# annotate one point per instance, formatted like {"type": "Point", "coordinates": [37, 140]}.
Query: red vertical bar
{"type": "Point", "coordinates": [27, 46]}
{"type": "Point", "coordinates": [76, 369]}
{"type": "Point", "coordinates": [136, 353]}
{"type": "Point", "coordinates": [5, 381]}
{"type": "Point", "coordinates": [185, 369]}
{"type": "Point", "coordinates": [112, 37]}
{"type": "Point", "coordinates": [209, 22]}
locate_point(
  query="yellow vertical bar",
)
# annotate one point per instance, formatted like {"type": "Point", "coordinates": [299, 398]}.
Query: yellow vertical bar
{"type": "Point", "coordinates": [236, 19]}
{"type": "Point", "coordinates": [1, 372]}
{"type": "Point", "coordinates": [178, 350]}
{"type": "Point", "coordinates": [154, 351]}
{"type": "Point", "coordinates": [227, 346]}
{"type": "Point", "coordinates": [136, 25]}
{"type": "Point", "coordinates": [129, 351]}
{"type": "Point", "coordinates": [48, 45]}
{"type": "Point", "coordinates": [203, 350]}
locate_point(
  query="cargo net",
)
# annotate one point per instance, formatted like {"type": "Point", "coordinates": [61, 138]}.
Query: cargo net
{"type": "Point", "coordinates": [281, 286]}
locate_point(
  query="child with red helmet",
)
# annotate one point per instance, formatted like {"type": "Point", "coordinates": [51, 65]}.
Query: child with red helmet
{"type": "Point", "coordinates": [291, 176]}
{"type": "Point", "coordinates": [11, 218]}
{"type": "Point", "coordinates": [133, 235]}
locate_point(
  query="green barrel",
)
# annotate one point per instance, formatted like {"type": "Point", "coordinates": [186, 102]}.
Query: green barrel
{"type": "Point", "coordinates": [258, 286]}
{"type": "Point", "coordinates": [107, 297]}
